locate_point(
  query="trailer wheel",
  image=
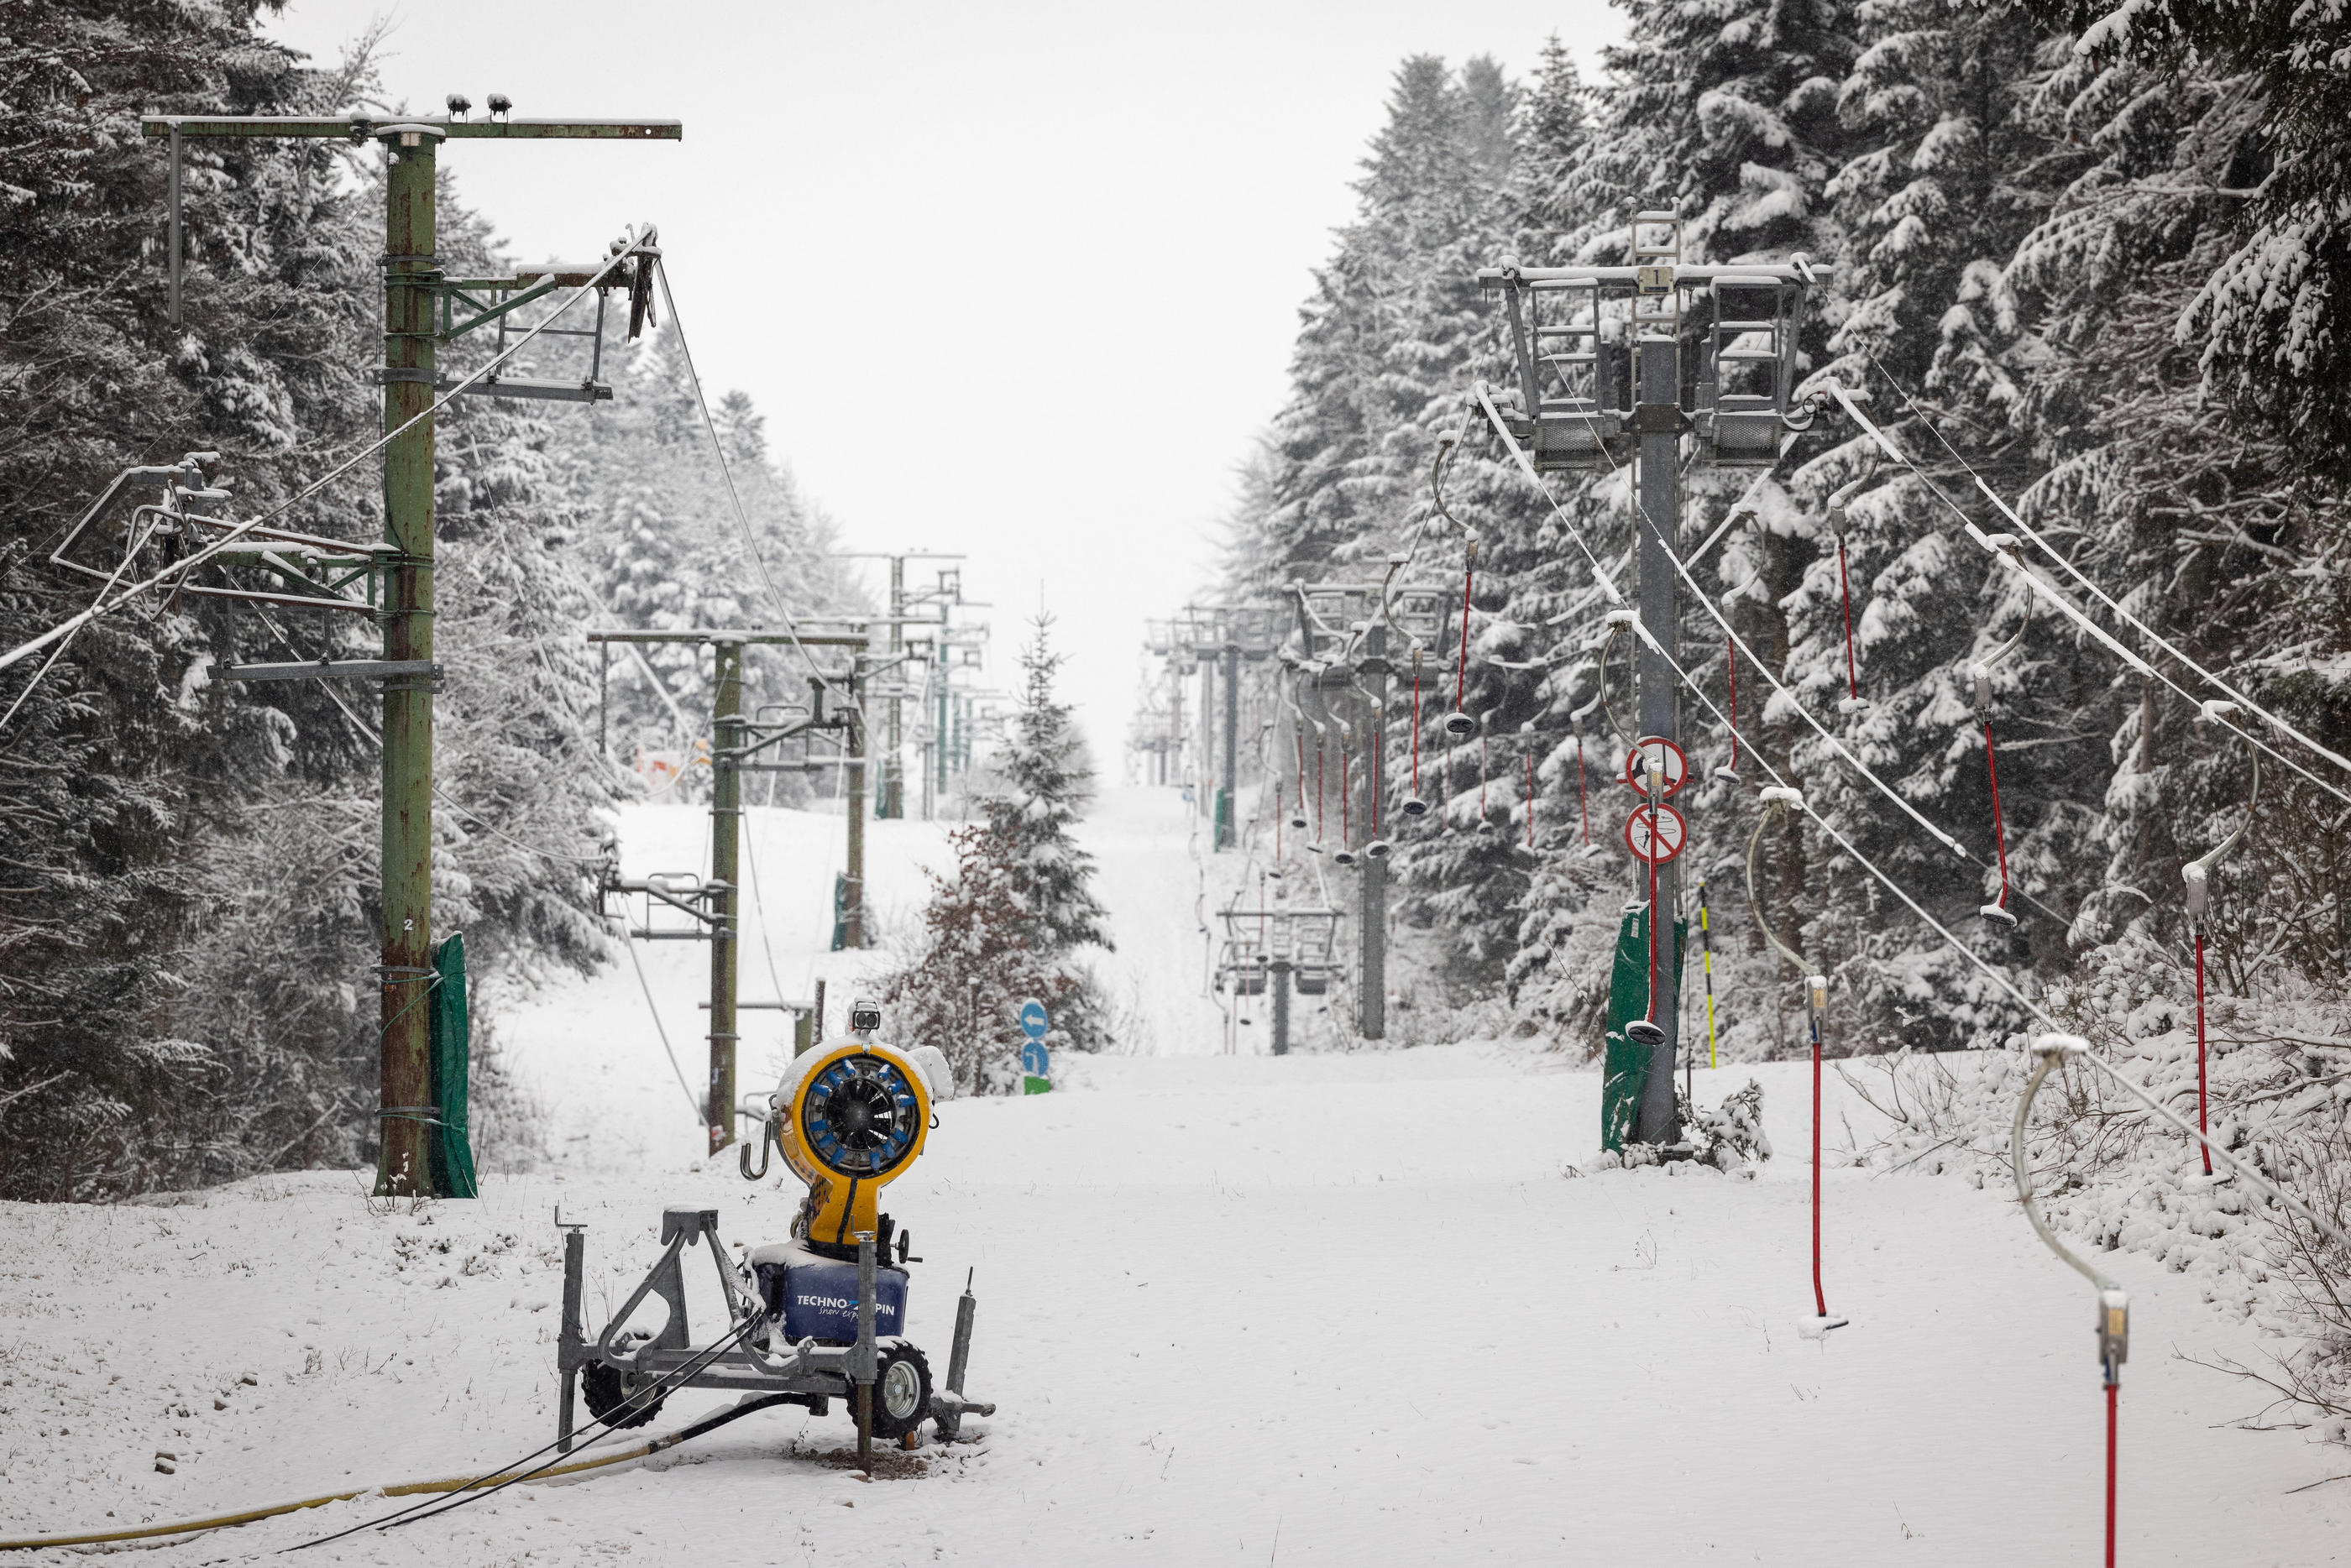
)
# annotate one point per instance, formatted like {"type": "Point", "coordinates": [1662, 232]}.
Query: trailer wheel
{"type": "Point", "coordinates": [608, 1387]}
{"type": "Point", "coordinates": [902, 1391]}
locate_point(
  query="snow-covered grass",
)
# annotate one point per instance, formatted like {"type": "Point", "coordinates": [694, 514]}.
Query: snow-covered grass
{"type": "Point", "coordinates": [1336, 1308]}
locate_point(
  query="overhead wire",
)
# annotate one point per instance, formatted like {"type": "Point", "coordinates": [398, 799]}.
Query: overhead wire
{"type": "Point", "coordinates": [101, 605]}
{"type": "Point", "coordinates": [735, 497]}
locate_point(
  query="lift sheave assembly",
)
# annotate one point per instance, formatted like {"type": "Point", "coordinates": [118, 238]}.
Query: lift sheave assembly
{"type": "Point", "coordinates": [820, 1316]}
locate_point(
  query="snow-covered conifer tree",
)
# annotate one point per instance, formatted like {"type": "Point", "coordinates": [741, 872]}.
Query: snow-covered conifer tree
{"type": "Point", "coordinates": [1047, 780]}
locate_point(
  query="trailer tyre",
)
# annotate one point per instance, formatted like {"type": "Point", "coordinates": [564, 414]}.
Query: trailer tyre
{"type": "Point", "coordinates": [902, 1391]}
{"type": "Point", "coordinates": [608, 1388]}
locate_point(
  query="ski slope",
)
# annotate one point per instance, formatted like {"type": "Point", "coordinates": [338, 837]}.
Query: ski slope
{"type": "Point", "coordinates": [1345, 1309]}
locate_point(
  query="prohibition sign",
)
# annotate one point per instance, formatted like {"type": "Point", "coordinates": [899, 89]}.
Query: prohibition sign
{"type": "Point", "coordinates": [1655, 833]}
{"type": "Point", "coordinates": [1671, 761]}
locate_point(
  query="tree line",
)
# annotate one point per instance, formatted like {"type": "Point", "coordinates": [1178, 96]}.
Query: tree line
{"type": "Point", "coordinates": [188, 868]}
{"type": "Point", "coordinates": [2096, 260]}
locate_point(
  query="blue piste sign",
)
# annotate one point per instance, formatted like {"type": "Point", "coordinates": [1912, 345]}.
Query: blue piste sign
{"type": "Point", "coordinates": [1036, 1062]}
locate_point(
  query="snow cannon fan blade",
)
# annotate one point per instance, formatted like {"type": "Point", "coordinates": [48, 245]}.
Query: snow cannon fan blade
{"type": "Point", "coordinates": [1415, 807]}
{"type": "Point", "coordinates": [1460, 725]}
{"type": "Point", "coordinates": [1377, 849]}
{"type": "Point", "coordinates": [1993, 915]}
{"type": "Point", "coordinates": [854, 1118]}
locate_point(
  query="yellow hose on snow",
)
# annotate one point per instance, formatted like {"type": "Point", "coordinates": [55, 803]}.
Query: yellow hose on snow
{"type": "Point", "coordinates": [406, 1488]}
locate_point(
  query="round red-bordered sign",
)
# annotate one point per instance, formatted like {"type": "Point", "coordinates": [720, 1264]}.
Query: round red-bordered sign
{"type": "Point", "coordinates": [1656, 835]}
{"type": "Point", "coordinates": [1634, 774]}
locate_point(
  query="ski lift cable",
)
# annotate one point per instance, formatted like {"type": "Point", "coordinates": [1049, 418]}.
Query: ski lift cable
{"type": "Point", "coordinates": [1527, 465]}
{"type": "Point", "coordinates": [2072, 612]}
{"type": "Point", "coordinates": [629, 938]}
{"type": "Point", "coordinates": [759, 905]}
{"type": "Point", "coordinates": [2050, 550]}
{"type": "Point", "coordinates": [2113, 1073]}
{"type": "Point", "coordinates": [734, 498]}
{"type": "Point", "coordinates": [102, 605]}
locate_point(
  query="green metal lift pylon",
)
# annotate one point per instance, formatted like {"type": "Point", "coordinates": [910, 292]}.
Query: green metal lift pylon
{"type": "Point", "coordinates": [410, 277]}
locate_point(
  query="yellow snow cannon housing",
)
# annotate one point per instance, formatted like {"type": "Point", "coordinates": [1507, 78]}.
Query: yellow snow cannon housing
{"type": "Point", "coordinates": [850, 1119]}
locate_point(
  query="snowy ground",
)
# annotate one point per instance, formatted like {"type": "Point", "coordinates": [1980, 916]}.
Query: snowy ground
{"type": "Point", "coordinates": [1235, 1309]}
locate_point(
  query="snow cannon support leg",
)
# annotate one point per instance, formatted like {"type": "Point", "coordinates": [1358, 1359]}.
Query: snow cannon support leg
{"type": "Point", "coordinates": [948, 1405]}
{"type": "Point", "coordinates": [862, 1369]}
{"type": "Point", "coordinates": [571, 1339]}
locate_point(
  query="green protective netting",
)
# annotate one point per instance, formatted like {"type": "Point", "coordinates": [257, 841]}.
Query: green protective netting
{"type": "Point", "coordinates": [450, 1155]}
{"type": "Point", "coordinates": [840, 910]}
{"type": "Point", "coordinates": [1626, 1068]}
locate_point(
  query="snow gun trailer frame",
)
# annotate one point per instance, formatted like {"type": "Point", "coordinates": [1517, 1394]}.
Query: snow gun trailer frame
{"type": "Point", "coordinates": [629, 1365]}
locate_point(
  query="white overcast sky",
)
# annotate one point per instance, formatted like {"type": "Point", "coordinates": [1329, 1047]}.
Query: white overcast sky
{"type": "Point", "coordinates": [1014, 280]}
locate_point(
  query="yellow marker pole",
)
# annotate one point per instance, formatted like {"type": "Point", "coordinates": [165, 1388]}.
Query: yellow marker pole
{"type": "Point", "coordinates": [1705, 949]}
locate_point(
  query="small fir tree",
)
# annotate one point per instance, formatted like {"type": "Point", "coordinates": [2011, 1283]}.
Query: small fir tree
{"type": "Point", "coordinates": [1048, 782]}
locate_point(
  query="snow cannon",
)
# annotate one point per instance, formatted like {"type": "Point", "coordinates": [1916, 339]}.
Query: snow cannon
{"type": "Point", "coordinates": [849, 1120]}
{"type": "Point", "coordinates": [819, 1316]}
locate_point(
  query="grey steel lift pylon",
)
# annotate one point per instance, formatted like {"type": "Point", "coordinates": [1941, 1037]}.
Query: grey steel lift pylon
{"type": "Point", "coordinates": [890, 789]}
{"type": "Point", "coordinates": [1281, 950]}
{"type": "Point", "coordinates": [1218, 637]}
{"type": "Point", "coordinates": [413, 286]}
{"type": "Point", "coordinates": [712, 907]}
{"type": "Point", "coordinates": [1588, 397]}
{"type": "Point", "coordinates": [1163, 638]}
{"type": "Point", "coordinates": [1342, 642]}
